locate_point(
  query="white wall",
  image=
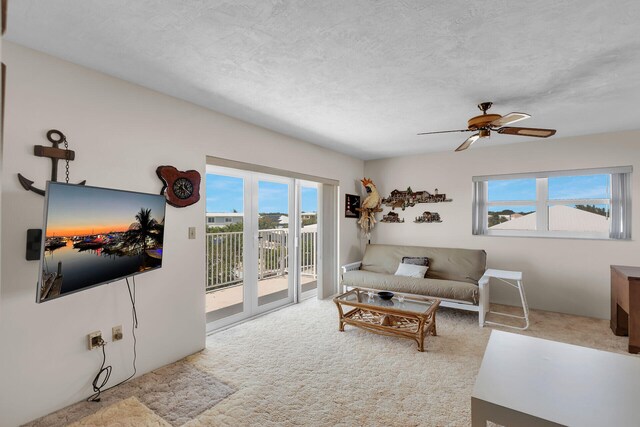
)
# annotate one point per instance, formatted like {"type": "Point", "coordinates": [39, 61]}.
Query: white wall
{"type": "Point", "coordinates": [564, 275]}
{"type": "Point", "coordinates": [121, 133]}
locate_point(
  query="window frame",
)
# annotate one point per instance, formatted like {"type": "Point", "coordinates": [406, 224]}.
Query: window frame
{"type": "Point", "coordinates": [542, 203]}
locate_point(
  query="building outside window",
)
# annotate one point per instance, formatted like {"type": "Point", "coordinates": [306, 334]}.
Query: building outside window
{"type": "Point", "coordinates": [221, 219]}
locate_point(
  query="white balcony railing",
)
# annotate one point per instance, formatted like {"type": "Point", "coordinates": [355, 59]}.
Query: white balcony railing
{"type": "Point", "coordinates": [225, 261]}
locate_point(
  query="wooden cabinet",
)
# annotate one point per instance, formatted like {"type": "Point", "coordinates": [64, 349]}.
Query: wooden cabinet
{"type": "Point", "coordinates": [625, 304]}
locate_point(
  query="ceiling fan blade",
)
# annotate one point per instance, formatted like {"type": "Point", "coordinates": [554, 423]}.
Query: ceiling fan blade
{"type": "Point", "coordinates": [445, 131]}
{"type": "Point", "coordinates": [473, 138]}
{"type": "Point", "coordinates": [539, 133]}
{"type": "Point", "coordinates": [509, 118]}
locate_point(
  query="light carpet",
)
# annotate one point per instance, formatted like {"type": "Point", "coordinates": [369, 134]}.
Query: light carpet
{"type": "Point", "coordinates": [293, 368]}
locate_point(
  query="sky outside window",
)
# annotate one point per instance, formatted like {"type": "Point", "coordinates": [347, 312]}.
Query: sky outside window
{"type": "Point", "coordinates": [579, 187]}
{"type": "Point", "coordinates": [512, 189]}
{"type": "Point", "coordinates": [226, 194]}
{"type": "Point", "coordinates": [273, 197]}
{"type": "Point", "coordinates": [309, 199]}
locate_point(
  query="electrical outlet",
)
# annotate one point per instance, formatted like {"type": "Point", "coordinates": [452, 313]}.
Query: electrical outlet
{"type": "Point", "coordinates": [95, 339]}
{"type": "Point", "coordinates": [116, 333]}
{"type": "Point", "coordinates": [192, 232]}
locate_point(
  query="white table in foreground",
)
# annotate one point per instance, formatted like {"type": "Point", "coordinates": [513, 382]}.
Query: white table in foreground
{"type": "Point", "coordinates": [526, 381]}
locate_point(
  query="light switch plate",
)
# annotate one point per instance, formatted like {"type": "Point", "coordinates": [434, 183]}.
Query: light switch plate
{"type": "Point", "coordinates": [192, 232]}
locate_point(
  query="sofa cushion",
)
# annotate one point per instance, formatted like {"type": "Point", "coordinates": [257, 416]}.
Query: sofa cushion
{"type": "Point", "coordinates": [438, 288]}
{"type": "Point", "coordinates": [460, 265]}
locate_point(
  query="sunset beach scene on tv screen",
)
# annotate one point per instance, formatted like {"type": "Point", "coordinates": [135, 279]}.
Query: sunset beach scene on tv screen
{"type": "Point", "coordinates": [98, 235]}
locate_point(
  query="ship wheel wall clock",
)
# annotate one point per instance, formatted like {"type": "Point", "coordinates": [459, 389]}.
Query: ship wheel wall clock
{"type": "Point", "coordinates": [181, 189]}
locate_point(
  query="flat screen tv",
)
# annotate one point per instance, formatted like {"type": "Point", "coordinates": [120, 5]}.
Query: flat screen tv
{"type": "Point", "coordinates": [94, 236]}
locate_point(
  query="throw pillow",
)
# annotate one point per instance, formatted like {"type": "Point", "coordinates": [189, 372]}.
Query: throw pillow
{"type": "Point", "coordinates": [416, 260]}
{"type": "Point", "coordinates": [411, 270]}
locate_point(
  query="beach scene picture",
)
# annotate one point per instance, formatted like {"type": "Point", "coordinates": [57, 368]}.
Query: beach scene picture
{"type": "Point", "coordinates": [98, 235]}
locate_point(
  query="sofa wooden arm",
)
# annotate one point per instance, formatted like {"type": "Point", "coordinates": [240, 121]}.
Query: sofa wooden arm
{"type": "Point", "coordinates": [351, 267]}
{"type": "Point", "coordinates": [348, 267]}
{"type": "Point", "coordinates": [484, 279]}
{"type": "Point", "coordinates": [484, 299]}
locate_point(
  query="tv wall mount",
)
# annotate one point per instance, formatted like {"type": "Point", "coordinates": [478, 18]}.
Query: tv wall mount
{"type": "Point", "coordinates": [54, 153]}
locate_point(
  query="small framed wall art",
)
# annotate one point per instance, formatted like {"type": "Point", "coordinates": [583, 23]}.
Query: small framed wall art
{"type": "Point", "coordinates": [351, 205]}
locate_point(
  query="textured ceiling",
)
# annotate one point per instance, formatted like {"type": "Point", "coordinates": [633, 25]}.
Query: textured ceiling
{"type": "Point", "coordinates": [362, 77]}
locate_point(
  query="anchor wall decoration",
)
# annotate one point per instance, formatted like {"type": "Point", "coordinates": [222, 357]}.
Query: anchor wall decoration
{"type": "Point", "coordinates": [54, 153]}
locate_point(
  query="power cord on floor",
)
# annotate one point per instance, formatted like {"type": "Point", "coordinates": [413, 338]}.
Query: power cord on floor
{"type": "Point", "coordinates": [105, 371]}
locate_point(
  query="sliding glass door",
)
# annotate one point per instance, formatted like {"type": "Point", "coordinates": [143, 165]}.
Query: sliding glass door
{"type": "Point", "coordinates": [261, 243]}
{"type": "Point", "coordinates": [274, 202]}
{"type": "Point", "coordinates": [307, 213]}
{"type": "Point", "coordinates": [226, 222]}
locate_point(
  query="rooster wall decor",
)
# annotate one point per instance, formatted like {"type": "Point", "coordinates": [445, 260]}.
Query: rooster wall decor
{"type": "Point", "coordinates": [369, 206]}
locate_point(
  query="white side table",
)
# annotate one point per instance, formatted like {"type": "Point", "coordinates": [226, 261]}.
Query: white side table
{"type": "Point", "coordinates": [514, 279]}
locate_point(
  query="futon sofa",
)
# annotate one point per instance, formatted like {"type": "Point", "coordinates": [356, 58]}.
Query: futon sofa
{"type": "Point", "coordinates": [456, 276]}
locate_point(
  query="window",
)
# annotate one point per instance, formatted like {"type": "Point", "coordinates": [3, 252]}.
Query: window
{"type": "Point", "coordinates": [593, 203]}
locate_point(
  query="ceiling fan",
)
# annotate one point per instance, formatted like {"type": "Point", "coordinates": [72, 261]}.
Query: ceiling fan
{"type": "Point", "coordinates": [485, 123]}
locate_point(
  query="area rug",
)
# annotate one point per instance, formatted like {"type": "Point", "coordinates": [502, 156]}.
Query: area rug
{"type": "Point", "coordinates": [293, 368]}
{"type": "Point", "coordinates": [171, 396]}
{"type": "Point", "coordinates": [125, 413]}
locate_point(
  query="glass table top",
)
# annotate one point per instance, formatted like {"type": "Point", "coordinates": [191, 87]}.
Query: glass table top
{"type": "Point", "coordinates": [372, 298]}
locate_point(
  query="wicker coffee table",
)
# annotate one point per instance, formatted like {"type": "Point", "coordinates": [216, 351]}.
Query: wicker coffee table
{"type": "Point", "coordinates": [412, 318]}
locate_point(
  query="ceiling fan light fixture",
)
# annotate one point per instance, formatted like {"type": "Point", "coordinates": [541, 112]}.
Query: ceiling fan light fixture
{"type": "Point", "coordinates": [482, 121]}
{"type": "Point", "coordinates": [484, 133]}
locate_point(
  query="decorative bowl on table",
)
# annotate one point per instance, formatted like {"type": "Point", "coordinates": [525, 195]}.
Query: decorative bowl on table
{"type": "Point", "coordinates": [385, 295]}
